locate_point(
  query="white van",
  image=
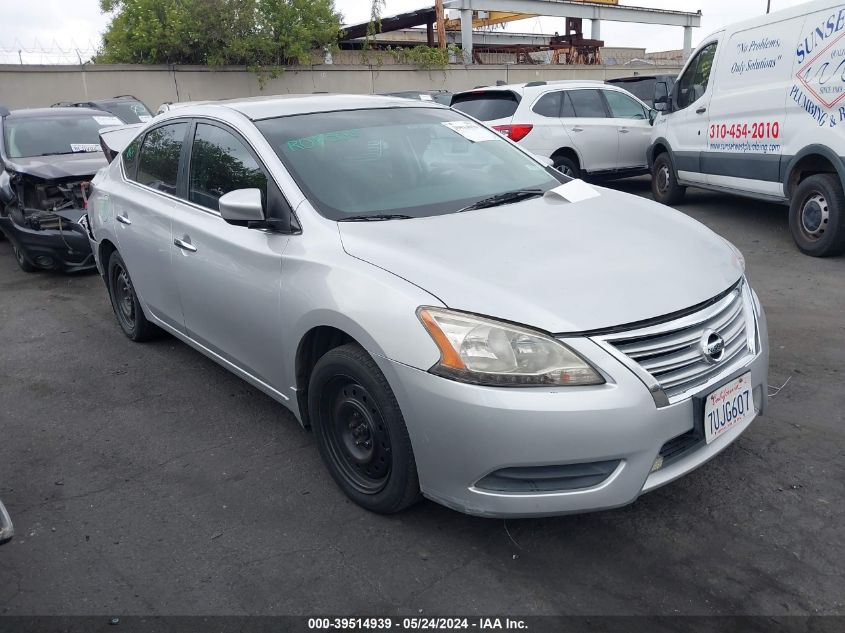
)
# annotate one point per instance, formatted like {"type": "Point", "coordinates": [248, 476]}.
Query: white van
{"type": "Point", "coordinates": [759, 111]}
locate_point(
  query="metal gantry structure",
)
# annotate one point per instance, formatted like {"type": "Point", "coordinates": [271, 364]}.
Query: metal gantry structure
{"type": "Point", "coordinates": [597, 12]}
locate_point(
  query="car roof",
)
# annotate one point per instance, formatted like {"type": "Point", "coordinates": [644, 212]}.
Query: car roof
{"type": "Point", "coordinates": [36, 113]}
{"type": "Point", "coordinates": [257, 108]}
{"type": "Point", "coordinates": [540, 86]}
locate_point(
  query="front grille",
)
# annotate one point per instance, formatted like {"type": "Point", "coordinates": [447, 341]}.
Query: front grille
{"type": "Point", "coordinates": [671, 353]}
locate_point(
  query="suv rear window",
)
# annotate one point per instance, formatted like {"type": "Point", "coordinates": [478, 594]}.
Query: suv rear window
{"type": "Point", "coordinates": [642, 88]}
{"type": "Point", "coordinates": [487, 106]}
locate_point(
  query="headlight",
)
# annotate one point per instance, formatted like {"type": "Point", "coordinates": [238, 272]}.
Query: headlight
{"type": "Point", "coordinates": [739, 258]}
{"type": "Point", "coordinates": [487, 352]}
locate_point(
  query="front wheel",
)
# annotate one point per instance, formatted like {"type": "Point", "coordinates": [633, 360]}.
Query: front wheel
{"type": "Point", "coordinates": [23, 263]}
{"type": "Point", "coordinates": [664, 183]}
{"type": "Point", "coordinates": [817, 216]}
{"type": "Point", "coordinates": [124, 301]}
{"type": "Point", "coordinates": [360, 431]}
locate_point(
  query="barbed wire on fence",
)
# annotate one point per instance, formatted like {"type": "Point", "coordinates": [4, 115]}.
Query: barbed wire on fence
{"type": "Point", "coordinates": [71, 51]}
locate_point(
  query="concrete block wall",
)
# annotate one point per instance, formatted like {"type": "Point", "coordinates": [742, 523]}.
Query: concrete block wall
{"type": "Point", "coordinates": [41, 86]}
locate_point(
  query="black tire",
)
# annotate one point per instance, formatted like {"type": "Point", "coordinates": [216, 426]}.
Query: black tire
{"type": "Point", "coordinates": [817, 216]}
{"type": "Point", "coordinates": [360, 431]}
{"type": "Point", "coordinates": [664, 182]}
{"type": "Point", "coordinates": [567, 166]}
{"type": "Point", "coordinates": [124, 302]}
{"type": "Point", "coordinates": [23, 263]}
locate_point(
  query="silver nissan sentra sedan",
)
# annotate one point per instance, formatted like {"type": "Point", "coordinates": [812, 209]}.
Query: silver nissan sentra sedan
{"type": "Point", "coordinates": [451, 317]}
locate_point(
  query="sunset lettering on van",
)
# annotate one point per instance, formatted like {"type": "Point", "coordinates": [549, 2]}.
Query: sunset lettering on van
{"type": "Point", "coordinates": [820, 34]}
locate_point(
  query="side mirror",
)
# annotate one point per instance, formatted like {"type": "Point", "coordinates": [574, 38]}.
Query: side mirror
{"type": "Point", "coordinates": [242, 206]}
{"type": "Point", "coordinates": [548, 162]}
{"type": "Point", "coordinates": [7, 530]}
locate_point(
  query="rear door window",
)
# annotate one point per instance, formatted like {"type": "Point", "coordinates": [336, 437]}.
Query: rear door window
{"type": "Point", "coordinates": [549, 105]}
{"type": "Point", "coordinates": [487, 106]}
{"type": "Point", "coordinates": [158, 165]}
{"type": "Point", "coordinates": [588, 104]}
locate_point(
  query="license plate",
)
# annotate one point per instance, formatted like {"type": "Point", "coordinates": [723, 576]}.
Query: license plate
{"type": "Point", "coordinates": [729, 406]}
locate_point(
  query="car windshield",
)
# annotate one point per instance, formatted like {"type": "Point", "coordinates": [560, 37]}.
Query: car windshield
{"type": "Point", "coordinates": [46, 135]}
{"type": "Point", "coordinates": [414, 162]}
{"type": "Point", "coordinates": [129, 111]}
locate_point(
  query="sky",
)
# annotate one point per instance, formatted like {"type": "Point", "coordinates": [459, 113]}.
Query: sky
{"type": "Point", "coordinates": [51, 31]}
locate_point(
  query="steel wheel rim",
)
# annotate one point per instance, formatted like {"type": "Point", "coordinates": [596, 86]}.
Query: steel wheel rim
{"type": "Point", "coordinates": [663, 179]}
{"type": "Point", "coordinates": [815, 216]}
{"type": "Point", "coordinates": [356, 435]}
{"type": "Point", "coordinates": [124, 296]}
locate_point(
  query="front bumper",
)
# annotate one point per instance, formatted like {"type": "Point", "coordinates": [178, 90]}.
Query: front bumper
{"type": "Point", "coordinates": [461, 433]}
{"type": "Point", "coordinates": [66, 250]}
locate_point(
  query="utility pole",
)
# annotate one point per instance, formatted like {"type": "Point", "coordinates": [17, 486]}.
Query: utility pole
{"type": "Point", "coordinates": [441, 24]}
{"type": "Point", "coordinates": [769, 6]}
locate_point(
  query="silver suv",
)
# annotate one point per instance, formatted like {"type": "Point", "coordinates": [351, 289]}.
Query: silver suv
{"type": "Point", "coordinates": [448, 315]}
{"type": "Point", "coordinates": [587, 128]}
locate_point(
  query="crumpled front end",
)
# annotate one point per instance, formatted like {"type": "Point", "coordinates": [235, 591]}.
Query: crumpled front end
{"type": "Point", "coordinates": [47, 222]}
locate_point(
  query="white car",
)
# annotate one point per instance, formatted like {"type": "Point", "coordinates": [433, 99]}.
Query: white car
{"type": "Point", "coordinates": [587, 128]}
{"type": "Point", "coordinates": [758, 112]}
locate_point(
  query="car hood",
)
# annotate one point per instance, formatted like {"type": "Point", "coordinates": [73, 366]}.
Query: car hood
{"type": "Point", "coordinates": [563, 267]}
{"type": "Point", "coordinates": [58, 166]}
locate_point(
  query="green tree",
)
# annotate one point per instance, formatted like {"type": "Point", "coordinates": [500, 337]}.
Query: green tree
{"type": "Point", "coordinates": [256, 33]}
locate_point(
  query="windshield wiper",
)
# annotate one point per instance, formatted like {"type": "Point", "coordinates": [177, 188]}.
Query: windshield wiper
{"type": "Point", "coordinates": [378, 217]}
{"type": "Point", "coordinates": [501, 199]}
{"type": "Point", "coordinates": [79, 151]}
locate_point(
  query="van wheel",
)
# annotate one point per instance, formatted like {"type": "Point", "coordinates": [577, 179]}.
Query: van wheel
{"type": "Point", "coordinates": [567, 167]}
{"type": "Point", "coordinates": [125, 302]}
{"type": "Point", "coordinates": [664, 184]}
{"type": "Point", "coordinates": [817, 216]}
{"type": "Point", "coordinates": [360, 431]}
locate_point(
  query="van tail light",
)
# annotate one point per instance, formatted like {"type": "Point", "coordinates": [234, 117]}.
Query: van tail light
{"type": "Point", "coordinates": [514, 132]}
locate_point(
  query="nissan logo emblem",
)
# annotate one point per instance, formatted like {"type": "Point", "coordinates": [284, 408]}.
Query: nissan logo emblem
{"type": "Point", "coordinates": [712, 347]}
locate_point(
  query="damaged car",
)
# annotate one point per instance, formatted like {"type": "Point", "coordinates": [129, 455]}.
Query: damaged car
{"type": "Point", "coordinates": [47, 160]}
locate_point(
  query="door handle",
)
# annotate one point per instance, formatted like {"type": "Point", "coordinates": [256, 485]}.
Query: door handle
{"type": "Point", "coordinates": [577, 129]}
{"type": "Point", "coordinates": [624, 130]}
{"type": "Point", "coordinates": [185, 246]}
{"type": "Point", "coordinates": [123, 220]}
{"type": "Point", "coordinates": [701, 111]}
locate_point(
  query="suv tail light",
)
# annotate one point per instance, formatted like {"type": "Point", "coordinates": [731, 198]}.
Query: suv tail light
{"type": "Point", "coordinates": [514, 132]}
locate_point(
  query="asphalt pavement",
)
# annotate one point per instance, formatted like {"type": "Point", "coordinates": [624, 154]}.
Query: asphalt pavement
{"type": "Point", "coordinates": [145, 479]}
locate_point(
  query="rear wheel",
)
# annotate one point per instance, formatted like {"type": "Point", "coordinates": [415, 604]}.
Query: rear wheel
{"type": "Point", "coordinates": [24, 264]}
{"type": "Point", "coordinates": [360, 431]}
{"type": "Point", "coordinates": [567, 166]}
{"type": "Point", "coordinates": [817, 216]}
{"type": "Point", "coordinates": [664, 183]}
{"type": "Point", "coordinates": [125, 302]}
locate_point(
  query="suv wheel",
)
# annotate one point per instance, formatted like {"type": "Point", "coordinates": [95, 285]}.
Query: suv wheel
{"type": "Point", "coordinates": [664, 184]}
{"type": "Point", "coordinates": [360, 431]}
{"type": "Point", "coordinates": [567, 167]}
{"type": "Point", "coordinates": [125, 302]}
{"type": "Point", "coordinates": [817, 216]}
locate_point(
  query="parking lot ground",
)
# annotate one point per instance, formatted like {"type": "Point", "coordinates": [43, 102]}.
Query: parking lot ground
{"type": "Point", "coordinates": [145, 479]}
